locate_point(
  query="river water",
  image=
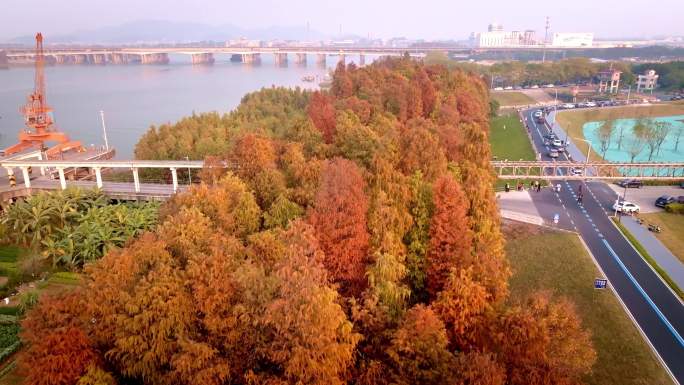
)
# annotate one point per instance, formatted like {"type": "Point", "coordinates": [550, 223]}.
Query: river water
{"type": "Point", "coordinates": [134, 97]}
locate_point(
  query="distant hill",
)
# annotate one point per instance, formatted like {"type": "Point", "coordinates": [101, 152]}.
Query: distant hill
{"type": "Point", "coordinates": [160, 31]}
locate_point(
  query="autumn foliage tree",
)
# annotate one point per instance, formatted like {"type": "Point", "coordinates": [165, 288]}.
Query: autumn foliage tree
{"type": "Point", "coordinates": [339, 217]}
{"type": "Point", "coordinates": [354, 238]}
{"type": "Point", "coordinates": [450, 236]}
{"type": "Point", "coordinates": [322, 113]}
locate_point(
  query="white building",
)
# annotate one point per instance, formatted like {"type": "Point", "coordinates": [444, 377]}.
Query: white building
{"type": "Point", "coordinates": [573, 40]}
{"type": "Point", "coordinates": [647, 82]}
{"type": "Point", "coordinates": [497, 37]}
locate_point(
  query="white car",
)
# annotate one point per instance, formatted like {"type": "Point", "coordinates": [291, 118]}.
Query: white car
{"type": "Point", "coordinates": [568, 105]}
{"type": "Point", "coordinates": [535, 86]}
{"type": "Point", "coordinates": [626, 207]}
{"type": "Point", "coordinates": [538, 113]}
{"type": "Point", "coordinates": [557, 143]}
{"type": "Point", "coordinates": [549, 86]}
{"type": "Point", "coordinates": [576, 171]}
{"type": "Point", "coordinates": [498, 88]}
{"type": "Point", "coordinates": [508, 88]}
{"type": "Point", "coordinates": [590, 104]}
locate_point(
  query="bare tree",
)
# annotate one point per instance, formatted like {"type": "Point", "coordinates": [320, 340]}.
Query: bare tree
{"type": "Point", "coordinates": [678, 133]}
{"type": "Point", "coordinates": [637, 142]}
{"type": "Point", "coordinates": [662, 131]}
{"type": "Point", "coordinates": [620, 128]}
{"type": "Point", "coordinates": [650, 136]}
{"type": "Point", "coordinates": [604, 132]}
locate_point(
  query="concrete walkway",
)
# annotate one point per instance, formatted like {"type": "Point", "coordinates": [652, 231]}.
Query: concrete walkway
{"type": "Point", "coordinates": [518, 206]}
{"type": "Point", "coordinates": [662, 255]}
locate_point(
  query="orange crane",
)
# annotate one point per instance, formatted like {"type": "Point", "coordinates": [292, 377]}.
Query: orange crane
{"type": "Point", "coordinates": [37, 118]}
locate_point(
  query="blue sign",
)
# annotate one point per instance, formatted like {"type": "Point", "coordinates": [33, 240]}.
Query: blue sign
{"type": "Point", "coordinates": [600, 283]}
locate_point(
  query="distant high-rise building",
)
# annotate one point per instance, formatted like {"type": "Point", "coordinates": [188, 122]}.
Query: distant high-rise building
{"type": "Point", "coordinates": [529, 37]}
{"type": "Point", "coordinates": [497, 37]}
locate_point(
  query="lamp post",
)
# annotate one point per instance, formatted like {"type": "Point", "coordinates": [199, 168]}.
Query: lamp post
{"type": "Point", "coordinates": [104, 130]}
{"type": "Point", "coordinates": [586, 160]}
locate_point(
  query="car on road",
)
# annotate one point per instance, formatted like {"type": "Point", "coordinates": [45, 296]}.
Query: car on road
{"type": "Point", "coordinates": [630, 183]}
{"type": "Point", "coordinates": [557, 143]}
{"type": "Point", "coordinates": [568, 106]}
{"type": "Point", "coordinates": [664, 200]}
{"type": "Point", "coordinates": [549, 86]}
{"type": "Point", "coordinates": [550, 136]}
{"type": "Point", "coordinates": [626, 207]}
{"type": "Point", "coordinates": [498, 88]}
{"type": "Point", "coordinates": [554, 153]}
{"type": "Point", "coordinates": [538, 113]}
{"type": "Point", "coordinates": [576, 171]}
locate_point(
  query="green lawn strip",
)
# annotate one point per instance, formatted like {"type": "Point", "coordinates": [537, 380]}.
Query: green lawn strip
{"type": "Point", "coordinates": [509, 139]}
{"type": "Point", "coordinates": [573, 121]}
{"type": "Point", "coordinates": [644, 254]}
{"type": "Point", "coordinates": [9, 253]}
{"type": "Point", "coordinates": [65, 278]}
{"type": "Point", "coordinates": [557, 261]}
{"type": "Point", "coordinates": [508, 98]}
{"type": "Point", "coordinates": [672, 235]}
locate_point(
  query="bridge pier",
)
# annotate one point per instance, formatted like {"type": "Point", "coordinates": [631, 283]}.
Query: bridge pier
{"type": "Point", "coordinates": [98, 177]}
{"type": "Point", "coordinates": [301, 58]}
{"type": "Point", "coordinates": [97, 58]}
{"type": "Point", "coordinates": [203, 58]}
{"type": "Point", "coordinates": [136, 179]}
{"type": "Point", "coordinates": [174, 177]}
{"type": "Point", "coordinates": [321, 58]}
{"type": "Point", "coordinates": [362, 60]}
{"type": "Point", "coordinates": [119, 58]}
{"type": "Point", "coordinates": [62, 179]}
{"type": "Point", "coordinates": [280, 58]}
{"type": "Point", "coordinates": [27, 177]}
{"type": "Point", "coordinates": [154, 58]}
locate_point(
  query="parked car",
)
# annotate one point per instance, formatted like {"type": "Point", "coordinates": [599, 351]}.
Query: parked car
{"type": "Point", "coordinates": [554, 154]}
{"type": "Point", "coordinates": [630, 183]}
{"type": "Point", "coordinates": [568, 105]}
{"type": "Point", "coordinates": [534, 86]}
{"type": "Point", "coordinates": [498, 88]}
{"type": "Point", "coordinates": [626, 207]}
{"type": "Point", "coordinates": [664, 201]}
{"type": "Point", "coordinates": [517, 88]}
{"type": "Point", "coordinates": [508, 88]}
{"type": "Point", "coordinates": [549, 86]}
{"type": "Point", "coordinates": [590, 104]}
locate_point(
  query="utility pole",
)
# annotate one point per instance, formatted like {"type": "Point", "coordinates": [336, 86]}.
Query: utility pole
{"type": "Point", "coordinates": [546, 38]}
{"type": "Point", "coordinates": [104, 130]}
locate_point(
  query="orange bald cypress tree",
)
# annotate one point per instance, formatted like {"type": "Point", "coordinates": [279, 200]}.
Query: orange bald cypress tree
{"type": "Point", "coordinates": [322, 114]}
{"type": "Point", "coordinates": [57, 349]}
{"type": "Point", "coordinates": [450, 235]}
{"type": "Point", "coordinates": [339, 217]}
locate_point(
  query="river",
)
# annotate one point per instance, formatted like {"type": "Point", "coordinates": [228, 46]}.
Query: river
{"type": "Point", "coordinates": [134, 97]}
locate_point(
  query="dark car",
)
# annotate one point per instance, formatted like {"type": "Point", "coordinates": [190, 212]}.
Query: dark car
{"type": "Point", "coordinates": [664, 200]}
{"type": "Point", "coordinates": [630, 183]}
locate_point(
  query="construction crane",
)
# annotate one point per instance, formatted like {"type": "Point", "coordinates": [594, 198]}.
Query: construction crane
{"type": "Point", "coordinates": [38, 118]}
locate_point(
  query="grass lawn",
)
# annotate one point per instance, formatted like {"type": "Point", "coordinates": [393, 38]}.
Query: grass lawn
{"type": "Point", "coordinates": [509, 139]}
{"type": "Point", "coordinates": [672, 235]}
{"type": "Point", "coordinates": [512, 98]}
{"type": "Point", "coordinates": [543, 259]}
{"type": "Point", "coordinates": [573, 120]}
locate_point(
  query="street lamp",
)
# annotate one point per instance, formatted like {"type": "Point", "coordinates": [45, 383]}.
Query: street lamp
{"type": "Point", "coordinates": [586, 160]}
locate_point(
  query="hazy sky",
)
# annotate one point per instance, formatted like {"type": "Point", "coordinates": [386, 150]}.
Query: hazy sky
{"type": "Point", "coordinates": [380, 18]}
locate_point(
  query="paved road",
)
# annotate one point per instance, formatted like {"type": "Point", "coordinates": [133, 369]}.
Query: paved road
{"type": "Point", "coordinates": [656, 309]}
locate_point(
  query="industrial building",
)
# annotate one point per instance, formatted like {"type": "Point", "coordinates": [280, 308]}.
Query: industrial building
{"type": "Point", "coordinates": [573, 40]}
{"type": "Point", "coordinates": [648, 81]}
{"type": "Point", "coordinates": [497, 37]}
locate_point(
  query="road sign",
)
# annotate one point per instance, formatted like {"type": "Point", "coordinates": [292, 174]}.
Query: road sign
{"type": "Point", "coordinates": [600, 283]}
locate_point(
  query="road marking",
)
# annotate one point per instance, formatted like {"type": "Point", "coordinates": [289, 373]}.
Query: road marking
{"type": "Point", "coordinates": [643, 294]}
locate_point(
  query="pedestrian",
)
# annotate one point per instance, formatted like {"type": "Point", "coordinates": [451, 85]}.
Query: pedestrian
{"type": "Point", "coordinates": [558, 187]}
{"type": "Point", "coordinates": [507, 187]}
{"type": "Point", "coordinates": [538, 186]}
